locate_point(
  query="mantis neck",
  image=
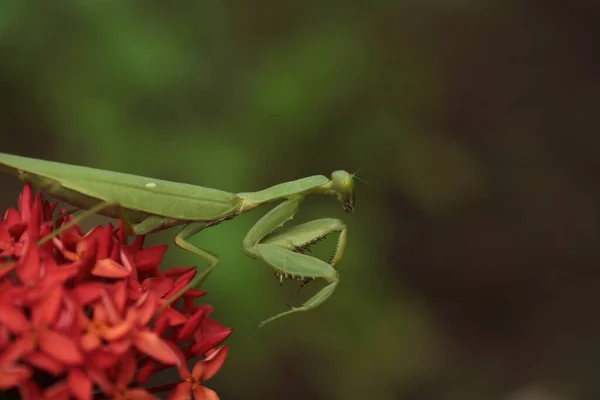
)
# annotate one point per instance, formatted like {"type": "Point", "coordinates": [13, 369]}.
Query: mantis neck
{"type": "Point", "coordinates": [298, 189]}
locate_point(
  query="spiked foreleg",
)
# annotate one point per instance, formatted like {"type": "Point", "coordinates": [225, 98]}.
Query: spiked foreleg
{"type": "Point", "coordinates": [301, 237]}
{"type": "Point", "coordinates": [279, 250]}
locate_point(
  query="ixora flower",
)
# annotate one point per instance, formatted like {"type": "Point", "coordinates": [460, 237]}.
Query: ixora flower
{"type": "Point", "coordinates": [92, 316]}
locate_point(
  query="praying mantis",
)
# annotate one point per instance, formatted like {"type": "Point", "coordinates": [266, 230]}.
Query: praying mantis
{"type": "Point", "coordinates": [148, 205]}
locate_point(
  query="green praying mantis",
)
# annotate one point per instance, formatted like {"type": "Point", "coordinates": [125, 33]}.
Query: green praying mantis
{"type": "Point", "coordinates": [148, 205]}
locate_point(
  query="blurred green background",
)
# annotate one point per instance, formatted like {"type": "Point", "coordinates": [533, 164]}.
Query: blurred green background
{"type": "Point", "coordinates": [472, 266]}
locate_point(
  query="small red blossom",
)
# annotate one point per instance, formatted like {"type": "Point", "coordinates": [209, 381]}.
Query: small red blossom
{"type": "Point", "coordinates": [86, 315]}
{"type": "Point", "coordinates": [202, 371]}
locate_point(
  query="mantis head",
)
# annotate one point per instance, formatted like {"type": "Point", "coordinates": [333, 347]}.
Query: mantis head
{"type": "Point", "coordinates": [343, 187]}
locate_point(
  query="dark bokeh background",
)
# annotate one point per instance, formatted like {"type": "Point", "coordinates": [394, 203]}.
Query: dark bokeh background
{"type": "Point", "coordinates": [472, 270]}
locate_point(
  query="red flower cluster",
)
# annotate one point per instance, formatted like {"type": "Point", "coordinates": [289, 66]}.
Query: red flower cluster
{"type": "Point", "coordinates": [85, 316]}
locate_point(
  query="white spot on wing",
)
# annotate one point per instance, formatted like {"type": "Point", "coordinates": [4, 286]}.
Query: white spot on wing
{"type": "Point", "coordinates": [150, 185]}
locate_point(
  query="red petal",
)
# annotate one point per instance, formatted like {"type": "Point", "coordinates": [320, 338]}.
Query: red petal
{"type": "Point", "coordinates": [71, 237]}
{"type": "Point", "coordinates": [120, 329]}
{"type": "Point", "coordinates": [139, 394]}
{"type": "Point", "coordinates": [145, 311]}
{"type": "Point", "coordinates": [67, 318]}
{"type": "Point", "coordinates": [161, 324]}
{"type": "Point", "coordinates": [114, 253]}
{"type": "Point", "coordinates": [192, 324]}
{"type": "Point", "coordinates": [58, 391]}
{"type": "Point", "coordinates": [17, 350]}
{"type": "Point", "coordinates": [38, 204]}
{"type": "Point", "coordinates": [25, 202]}
{"type": "Point", "coordinates": [174, 317]}
{"type": "Point", "coordinates": [88, 247]}
{"type": "Point", "coordinates": [30, 391]}
{"type": "Point", "coordinates": [99, 311]}
{"type": "Point", "coordinates": [67, 254]}
{"type": "Point", "coordinates": [204, 393]}
{"type": "Point", "coordinates": [59, 275]}
{"type": "Point", "coordinates": [104, 237]}
{"type": "Point", "coordinates": [9, 294]}
{"type": "Point", "coordinates": [11, 217]}
{"type": "Point", "coordinates": [102, 358]}
{"type": "Point", "coordinates": [151, 344]}
{"type": "Point", "coordinates": [210, 335]}
{"type": "Point", "coordinates": [5, 337]}
{"type": "Point", "coordinates": [44, 362]}
{"type": "Point", "coordinates": [113, 313]}
{"type": "Point", "coordinates": [28, 270]}
{"type": "Point", "coordinates": [182, 367]}
{"type": "Point", "coordinates": [46, 309]}
{"type": "Point", "coordinates": [12, 376]}
{"type": "Point", "coordinates": [181, 392]}
{"type": "Point", "coordinates": [60, 347]}
{"type": "Point", "coordinates": [6, 240]}
{"type": "Point", "coordinates": [209, 327]}
{"type": "Point", "coordinates": [128, 263]}
{"type": "Point", "coordinates": [90, 341]}
{"type": "Point", "coordinates": [34, 221]}
{"type": "Point", "coordinates": [179, 285]}
{"type": "Point", "coordinates": [126, 370]}
{"type": "Point", "coordinates": [207, 368]}
{"type": "Point", "coordinates": [119, 295]}
{"type": "Point", "coordinates": [134, 289]}
{"type": "Point", "coordinates": [98, 376]}
{"type": "Point", "coordinates": [184, 279]}
{"type": "Point", "coordinates": [149, 257]}
{"type": "Point", "coordinates": [80, 384]}
{"type": "Point", "coordinates": [119, 347]}
{"type": "Point", "coordinates": [13, 318]}
{"type": "Point", "coordinates": [86, 250]}
{"type": "Point", "coordinates": [17, 230]}
{"type": "Point", "coordinates": [159, 285]}
{"type": "Point", "coordinates": [211, 342]}
{"type": "Point", "coordinates": [49, 210]}
{"type": "Point", "coordinates": [49, 265]}
{"type": "Point", "coordinates": [108, 268]}
{"type": "Point", "coordinates": [120, 232]}
{"type": "Point", "coordinates": [137, 244]}
{"type": "Point", "coordinates": [86, 293]}
{"type": "Point", "coordinates": [192, 294]}
{"type": "Point", "coordinates": [146, 371]}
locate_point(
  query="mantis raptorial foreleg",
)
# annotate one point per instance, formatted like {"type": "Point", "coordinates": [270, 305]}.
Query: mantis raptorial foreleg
{"type": "Point", "coordinates": [301, 236]}
{"type": "Point", "coordinates": [280, 250]}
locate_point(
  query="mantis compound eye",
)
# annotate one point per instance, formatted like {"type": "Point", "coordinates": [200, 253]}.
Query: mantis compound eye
{"type": "Point", "coordinates": [343, 186]}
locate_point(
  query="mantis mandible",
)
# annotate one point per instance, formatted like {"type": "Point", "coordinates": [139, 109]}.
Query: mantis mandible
{"type": "Point", "coordinates": [148, 205]}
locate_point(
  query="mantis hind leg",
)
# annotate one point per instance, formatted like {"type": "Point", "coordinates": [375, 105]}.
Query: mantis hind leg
{"type": "Point", "coordinates": [150, 224]}
{"type": "Point", "coordinates": [85, 214]}
{"type": "Point", "coordinates": [186, 232]}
